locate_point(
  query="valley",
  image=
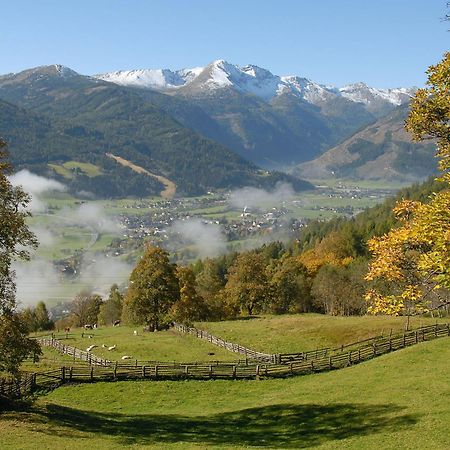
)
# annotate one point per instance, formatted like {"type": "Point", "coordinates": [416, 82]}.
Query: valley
{"type": "Point", "coordinates": [92, 244]}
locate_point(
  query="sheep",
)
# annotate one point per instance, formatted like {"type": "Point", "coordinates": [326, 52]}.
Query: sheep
{"type": "Point", "coordinates": [126, 357]}
{"type": "Point", "coordinates": [90, 348]}
{"type": "Point", "coordinates": [112, 347]}
{"type": "Point", "coordinates": [104, 346]}
{"type": "Point", "coordinates": [135, 332]}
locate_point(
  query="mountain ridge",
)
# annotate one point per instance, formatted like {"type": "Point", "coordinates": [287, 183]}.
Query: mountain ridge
{"type": "Point", "coordinates": [252, 79]}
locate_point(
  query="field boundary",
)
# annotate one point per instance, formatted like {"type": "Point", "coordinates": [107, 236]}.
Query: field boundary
{"type": "Point", "coordinates": [230, 346]}
{"type": "Point", "coordinates": [105, 370]}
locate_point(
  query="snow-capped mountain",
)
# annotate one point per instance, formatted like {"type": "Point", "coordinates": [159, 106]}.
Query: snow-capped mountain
{"type": "Point", "coordinates": [254, 80]}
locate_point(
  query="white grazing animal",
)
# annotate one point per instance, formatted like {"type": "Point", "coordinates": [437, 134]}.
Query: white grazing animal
{"type": "Point", "coordinates": [135, 332]}
{"type": "Point", "coordinates": [90, 348]}
{"type": "Point", "coordinates": [126, 357]}
{"type": "Point", "coordinates": [104, 346]}
{"type": "Point", "coordinates": [112, 347]}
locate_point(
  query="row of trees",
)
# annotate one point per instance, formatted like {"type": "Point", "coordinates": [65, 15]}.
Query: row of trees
{"type": "Point", "coordinates": [410, 264]}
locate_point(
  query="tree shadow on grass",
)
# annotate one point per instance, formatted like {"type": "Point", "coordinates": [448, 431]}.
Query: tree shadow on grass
{"type": "Point", "coordinates": [276, 426]}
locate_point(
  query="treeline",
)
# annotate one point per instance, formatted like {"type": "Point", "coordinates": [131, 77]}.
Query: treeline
{"type": "Point", "coordinates": [322, 271]}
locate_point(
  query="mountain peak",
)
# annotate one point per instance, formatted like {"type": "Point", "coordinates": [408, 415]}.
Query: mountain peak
{"type": "Point", "coordinates": [255, 80]}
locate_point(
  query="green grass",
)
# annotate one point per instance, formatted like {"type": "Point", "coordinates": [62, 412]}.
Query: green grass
{"type": "Point", "coordinates": [161, 346]}
{"type": "Point", "coordinates": [301, 332]}
{"type": "Point", "coordinates": [66, 169]}
{"type": "Point", "coordinates": [88, 169]}
{"type": "Point", "coordinates": [397, 401]}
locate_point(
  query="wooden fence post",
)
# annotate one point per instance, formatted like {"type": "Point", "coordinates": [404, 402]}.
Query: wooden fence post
{"type": "Point", "coordinates": [33, 382]}
{"type": "Point", "coordinates": [257, 371]}
{"type": "Point", "coordinates": [63, 375]}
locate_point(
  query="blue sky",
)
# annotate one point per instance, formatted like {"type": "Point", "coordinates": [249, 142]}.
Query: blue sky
{"type": "Point", "coordinates": [385, 43]}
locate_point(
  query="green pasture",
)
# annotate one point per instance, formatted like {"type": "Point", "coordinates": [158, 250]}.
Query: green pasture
{"type": "Point", "coordinates": [66, 169]}
{"type": "Point", "coordinates": [397, 401]}
{"type": "Point", "coordinates": [160, 346]}
{"type": "Point", "coordinates": [303, 332]}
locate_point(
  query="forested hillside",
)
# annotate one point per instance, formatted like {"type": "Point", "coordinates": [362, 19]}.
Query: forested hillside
{"type": "Point", "coordinates": [98, 117]}
{"type": "Point", "coordinates": [381, 150]}
{"type": "Point", "coordinates": [322, 271]}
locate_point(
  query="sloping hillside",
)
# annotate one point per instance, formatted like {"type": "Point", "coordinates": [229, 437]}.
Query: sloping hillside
{"type": "Point", "coordinates": [383, 150]}
{"type": "Point", "coordinates": [113, 117]}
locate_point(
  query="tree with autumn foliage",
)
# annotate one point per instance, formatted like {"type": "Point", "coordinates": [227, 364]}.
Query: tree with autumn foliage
{"type": "Point", "coordinates": [412, 262]}
{"type": "Point", "coordinates": [247, 289]}
{"type": "Point", "coordinates": [190, 307]}
{"type": "Point", "coordinates": [152, 291]}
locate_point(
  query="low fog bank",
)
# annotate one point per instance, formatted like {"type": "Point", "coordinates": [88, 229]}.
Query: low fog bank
{"type": "Point", "coordinates": [208, 239]}
{"type": "Point", "coordinates": [36, 186]}
{"type": "Point", "coordinates": [260, 198]}
{"type": "Point", "coordinates": [39, 279]}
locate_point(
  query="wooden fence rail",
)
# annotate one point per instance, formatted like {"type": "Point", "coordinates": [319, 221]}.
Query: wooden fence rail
{"type": "Point", "coordinates": [104, 370]}
{"type": "Point", "coordinates": [232, 347]}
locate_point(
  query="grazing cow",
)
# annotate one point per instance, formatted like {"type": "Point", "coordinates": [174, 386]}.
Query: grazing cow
{"type": "Point", "coordinates": [90, 348]}
{"type": "Point", "coordinates": [94, 326]}
{"type": "Point", "coordinates": [126, 357]}
{"type": "Point", "coordinates": [113, 347]}
{"type": "Point", "coordinates": [88, 327]}
{"type": "Point", "coordinates": [67, 330]}
{"type": "Point", "coordinates": [116, 323]}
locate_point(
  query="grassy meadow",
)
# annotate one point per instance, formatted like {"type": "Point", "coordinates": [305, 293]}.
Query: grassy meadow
{"type": "Point", "coordinates": [397, 401]}
{"type": "Point", "coordinates": [161, 346]}
{"type": "Point", "coordinates": [302, 332]}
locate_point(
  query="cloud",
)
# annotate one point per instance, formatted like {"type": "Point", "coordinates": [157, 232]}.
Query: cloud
{"type": "Point", "coordinates": [35, 185]}
{"type": "Point", "coordinates": [257, 198]}
{"type": "Point", "coordinates": [99, 273]}
{"type": "Point", "coordinates": [207, 238]}
{"type": "Point", "coordinates": [94, 217]}
{"type": "Point", "coordinates": [36, 280]}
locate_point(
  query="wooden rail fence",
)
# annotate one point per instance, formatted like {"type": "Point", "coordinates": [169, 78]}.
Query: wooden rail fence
{"type": "Point", "coordinates": [232, 347]}
{"type": "Point", "coordinates": [105, 370]}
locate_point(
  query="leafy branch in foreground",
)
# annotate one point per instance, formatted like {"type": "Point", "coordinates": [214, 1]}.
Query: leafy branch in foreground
{"type": "Point", "coordinates": [413, 260]}
{"type": "Point", "coordinates": [15, 238]}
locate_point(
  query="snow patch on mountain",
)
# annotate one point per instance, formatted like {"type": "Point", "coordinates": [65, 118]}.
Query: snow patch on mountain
{"type": "Point", "coordinates": [158, 79]}
{"type": "Point", "coordinates": [361, 93]}
{"type": "Point", "coordinates": [254, 80]}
